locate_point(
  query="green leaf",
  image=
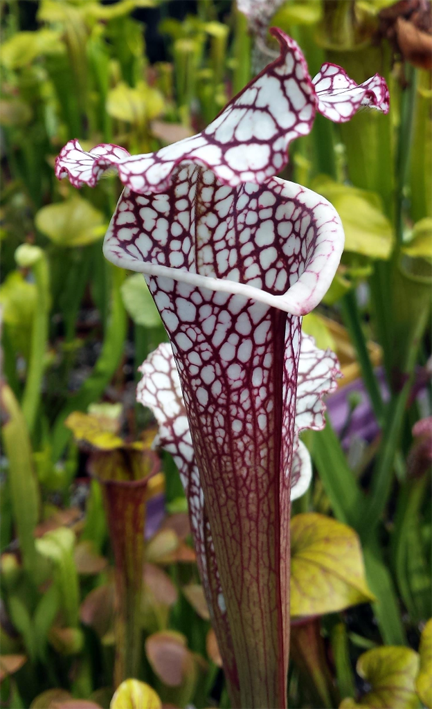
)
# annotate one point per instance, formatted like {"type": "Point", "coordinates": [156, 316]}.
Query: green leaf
{"type": "Point", "coordinates": [22, 621]}
{"type": "Point", "coordinates": [74, 222]}
{"type": "Point", "coordinates": [44, 616]}
{"type": "Point", "coordinates": [315, 325]}
{"type": "Point", "coordinates": [18, 298]}
{"type": "Point", "coordinates": [23, 48]}
{"type": "Point", "coordinates": [297, 13]}
{"type": "Point", "coordinates": [391, 672]}
{"type": "Point", "coordinates": [139, 303]}
{"type": "Point", "coordinates": [133, 694]}
{"type": "Point", "coordinates": [327, 571]}
{"type": "Point", "coordinates": [28, 255]}
{"type": "Point", "coordinates": [387, 605]}
{"type": "Point", "coordinates": [118, 9]}
{"type": "Point", "coordinates": [22, 480]}
{"type": "Point", "coordinates": [135, 106]}
{"type": "Point", "coordinates": [420, 244]}
{"type": "Point", "coordinates": [424, 677]}
{"type": "Point", "coordinates": [346, 498]}
{"type": "Point", "coordinates": [58, 546]}
{"type": "Point", "coordinates": [367, 229]}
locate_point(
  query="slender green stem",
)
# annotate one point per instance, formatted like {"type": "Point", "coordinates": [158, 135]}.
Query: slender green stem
{"type": "Point", "coordinates": [380, 285]}
{"type": "Point", "coordinates": [380, 582]}
{"type": "Point", "coordinates": [404, 147]}
{"type": "Point", "coordinates": [242, 53]}
{"type": "Point", "coordinates": [409, 502]}
{"type": "Point", "coordinates": [344, 673]}
{"type": "Point", "coordinates": [33, 386]}
{"type": "Point", "coordinates": [353, 324]}
{"type": "Point", "coordinates": [346, 498]}
{"type": "Point", "coordinates": [383, 472]}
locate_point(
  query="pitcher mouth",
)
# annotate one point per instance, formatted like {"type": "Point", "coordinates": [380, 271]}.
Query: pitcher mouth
{"type": "Point", "coordinates": [300, 298]}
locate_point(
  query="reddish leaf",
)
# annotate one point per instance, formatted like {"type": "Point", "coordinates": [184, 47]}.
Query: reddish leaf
{"type": "Point", "coordinates": [159, 584]}
{"type": "Point", "coordinates": [75, 704]}
{"type": "Point", "coordinates": [67, 641]}
{"type": "Point", "coordinates": [9, 664]}
{"type": "Point", "coordinates": [97, 609]}
{"type": "Point", "coordinates": [48, 699]}
{"type": "Point", "coordinates": [87, 561]}
{"type": "Point", "coordinates": [169, 657]}
{"type": "Point", "coordinates": [180, 523]}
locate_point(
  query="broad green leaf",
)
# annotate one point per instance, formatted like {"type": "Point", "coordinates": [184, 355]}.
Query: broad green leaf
{"type": "Point", "coordinates": [18, 298]}
{"type": "Point", "coordinates": [327, 571]}
{"type": "Point", "coordinates": [74, 222]}
{"type": "Point", "coordinates": [391, 673]}
{"type": "Point", "coordinates": [133, 694]}
{"type": "Point", "coordinates": [420, 244]}
{"type": "Point", "coordinates": [23, 48]}
{"type": "Point", "coordinates": [339, 287]}
{"type": "Point", "coordinates": [135, 105]}
{"type": "Point", "coordinates": [139, 303]}
{"type": "Point", "coordinates": [315, 326]}
{"type": "Point", "coordinates": [424, 677]}
{"type": "Point", "coordinates": [367, 229]}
